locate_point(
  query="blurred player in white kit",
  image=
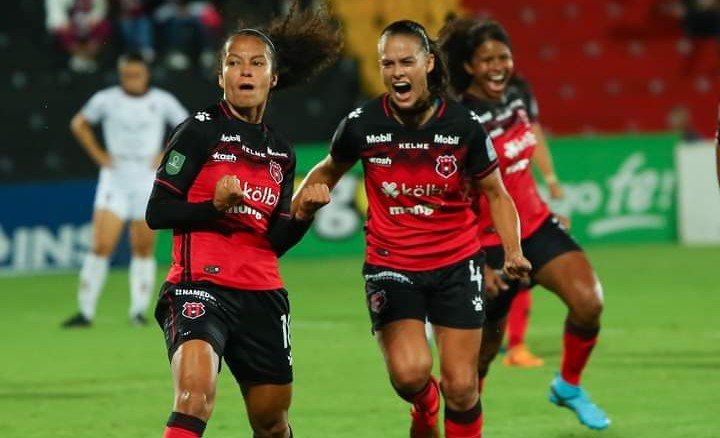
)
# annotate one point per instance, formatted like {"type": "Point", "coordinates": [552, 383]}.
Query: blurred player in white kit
{"type": "Point", "coordinates": [134, 118]}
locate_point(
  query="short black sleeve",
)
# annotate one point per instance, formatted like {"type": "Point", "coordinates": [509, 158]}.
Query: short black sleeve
{"type": "Point", "coordinates": [522, 88]}
{"type": "Point", "coordinates": [481, 158]}
{"type": "Point", "coordinates": [184, 157]}
{"type": "Point", "coordinates": [345, 146]}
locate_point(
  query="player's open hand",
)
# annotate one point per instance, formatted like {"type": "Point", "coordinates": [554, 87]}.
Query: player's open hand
{"type": "Point", "coordinates": [494, 283]}
{"type": "Point", "coordinates": [228, 193]}
{"type": "Point", "coordinates": [310, 200]}
{"type": "Point", "coordinates": [516, 266]}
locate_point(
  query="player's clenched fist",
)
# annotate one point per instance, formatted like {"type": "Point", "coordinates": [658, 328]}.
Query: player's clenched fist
{"type": "Point", "coordinates": [516, 266]}
{"type": "Point", "coordinates": [310, 199]}
{"type": "Point", "coordinates": [228, 193]}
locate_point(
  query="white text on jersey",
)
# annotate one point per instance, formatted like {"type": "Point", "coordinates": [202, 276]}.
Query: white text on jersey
{"type": "Point", "coordinates": [378, 138]}
{"type": "Point", "coordinates": [447, 139]}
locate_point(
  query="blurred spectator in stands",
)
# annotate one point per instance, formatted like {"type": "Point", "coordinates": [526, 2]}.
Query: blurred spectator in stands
{"type": "Point", "coordinates": [679, 120]}
{"type": "Point", "coordinates": [137, 28]}
{"type": "Point", "coordinates": [81, 27]}
{"type": "Point", "coordinates": [189, 28]}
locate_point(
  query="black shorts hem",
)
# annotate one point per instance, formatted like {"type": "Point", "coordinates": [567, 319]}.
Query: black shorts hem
{"type": "Point", "coordinates": [268, 381]}
{"type": "Point", "coordinates": [377, 326]}
{"type": "Point", "coordinates": [195, 336]}
{"type": "Point", "coordinates": [460, 326]}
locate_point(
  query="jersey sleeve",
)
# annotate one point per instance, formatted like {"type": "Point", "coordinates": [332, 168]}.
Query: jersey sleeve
{"type": "Point", "coordinates": [284, 231]}
{"type": "Point", "coordinates": [184, 156]}
{"type": "Point", "coordinates": [175, 113]}
{"type": "Point", "coordinates": [531, 104]}
{"type": "Point", "coordinates": [95, 108]}
{"type": "Point", "coordinates": [345, 146]}
{"type": "Point", "coordinates": [481, 158]}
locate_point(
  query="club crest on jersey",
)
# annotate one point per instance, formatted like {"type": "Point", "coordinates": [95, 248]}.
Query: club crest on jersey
{"type": "Point", "coordinates": [446, 165]}
{"type": "Point", "coordinates": [193, 310]}
{"type": "Point", "coordinates": [377, 301]}
{"type": "Point", "coordinates": [276, 171]}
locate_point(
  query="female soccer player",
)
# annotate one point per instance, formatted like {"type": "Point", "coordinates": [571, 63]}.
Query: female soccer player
{"type": "Point", "coordinates": [224, 187]}
{"type": "Point", "coordinates": [421, 154]}
{"type": "Point", "coordinates": [134, 117]}
{"type": "Point", "coordinates": [480, 63]}
{"type": "Point", "coordinates": [518, 354]}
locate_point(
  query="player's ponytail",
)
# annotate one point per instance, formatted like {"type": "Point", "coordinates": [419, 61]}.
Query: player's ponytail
{"type": "Point", "coordinates": [301, 44]}
{"type": "Point", "coordinates": [458, 40]}
{"type": "Point", "coordinates": [307, 41]}
{"type": "Point", "coordinates": [437, 78]}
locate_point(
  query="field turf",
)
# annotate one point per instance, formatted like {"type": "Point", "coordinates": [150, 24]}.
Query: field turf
{"type": "Point", "coordinates": [656, 370]}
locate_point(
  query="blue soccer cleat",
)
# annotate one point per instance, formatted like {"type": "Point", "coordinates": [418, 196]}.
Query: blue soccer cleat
{"type": "Point", "coordinates": [576, 399]}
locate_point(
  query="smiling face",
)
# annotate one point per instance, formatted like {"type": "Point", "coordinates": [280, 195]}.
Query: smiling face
{"type": "Point", "coordinates": [491, 68]}
{"type": "Point", "coordinates": [404, 66]}
{"type": "Point", "coordinates": [247, 72]}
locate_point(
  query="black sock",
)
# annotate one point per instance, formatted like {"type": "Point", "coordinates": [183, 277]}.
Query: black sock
{"type": "Point", "coordinates": [187, 422]}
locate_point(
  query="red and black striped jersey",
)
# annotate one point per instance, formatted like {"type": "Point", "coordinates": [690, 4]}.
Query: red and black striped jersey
{"type": "Point", "coordinates": [420, 214]}
{"type": "Point", "coordinates": [232, 249]}
{"type": "Point", "coordinates": [509, 125]}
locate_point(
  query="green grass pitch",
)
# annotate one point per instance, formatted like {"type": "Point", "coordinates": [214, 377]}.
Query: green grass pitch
{"type": "Point", "coordinates": [656, 370]}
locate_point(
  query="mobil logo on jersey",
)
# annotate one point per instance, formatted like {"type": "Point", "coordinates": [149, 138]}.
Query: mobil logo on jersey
{"type": "Point", "coordinates": [447, 139]}
{"type": "Point", "coordinates": [446, 165]}
{"type": "Point", "coordinates": [378, 138]}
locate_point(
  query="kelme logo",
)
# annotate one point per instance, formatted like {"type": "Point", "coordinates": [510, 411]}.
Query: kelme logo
{"type": "Point", "coordinates": [174, 163]}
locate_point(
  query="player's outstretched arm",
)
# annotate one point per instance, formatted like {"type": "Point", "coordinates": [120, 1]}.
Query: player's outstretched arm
{"type": "Point", "coordinates": [544, 162]}
{"type": "Point", "coordinates": [507, 224]}
{"type": "Point", "coordinates": [326, 173]}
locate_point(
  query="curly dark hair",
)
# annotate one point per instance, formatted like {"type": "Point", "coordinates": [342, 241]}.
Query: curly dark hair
{"type": "Point", "coordinates": [302, 44]}
{"type": "Point", "coordinates": [458, 40]}
{"type": "Point", "coordinates": [438, 77]}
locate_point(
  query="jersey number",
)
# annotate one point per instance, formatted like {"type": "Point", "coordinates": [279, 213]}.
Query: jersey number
{"type": "Point", "coordinates": [285, 321]}
{"type": "Point", "coordinates": [475, 274]}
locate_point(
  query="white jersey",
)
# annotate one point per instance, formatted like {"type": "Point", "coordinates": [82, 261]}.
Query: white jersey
{"type": "Point", "coordinates": [133, 126]}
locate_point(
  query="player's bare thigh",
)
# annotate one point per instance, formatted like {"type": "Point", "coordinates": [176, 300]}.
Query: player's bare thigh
{"type": "Point", "coordinates": [267, 407]}
{"type": "Point", "coordinates": [459, 351]}
{"type": "Point", "coordinates": [195, 367]}
{"type": "Point", "coordinates": [107, 227]}
{"type": "Point", "coordinates": [406, 352]}
{"type": "Point", "coordinates": [572, 278]}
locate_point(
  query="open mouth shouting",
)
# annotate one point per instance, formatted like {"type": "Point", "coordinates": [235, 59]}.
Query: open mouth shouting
{"type": "Point", "coordinates": [401, 91]}
{"type": "Point", "coordinates": [246, 87]}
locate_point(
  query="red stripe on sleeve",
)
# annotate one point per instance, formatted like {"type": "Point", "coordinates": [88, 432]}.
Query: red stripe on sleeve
{"type": "Point", "coordinates": [167, 185]}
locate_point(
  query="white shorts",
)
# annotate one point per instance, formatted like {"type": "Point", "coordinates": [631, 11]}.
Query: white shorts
{"type": "Point", "coordinates": [124, 195]}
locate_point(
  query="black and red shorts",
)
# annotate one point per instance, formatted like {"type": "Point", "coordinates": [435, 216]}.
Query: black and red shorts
{"type": "Point", "coordinates": [451, 296]}
{"type": "Point", "coordinates": [249, 329]}
{"type": "Point", "coordinates": [549, 241]}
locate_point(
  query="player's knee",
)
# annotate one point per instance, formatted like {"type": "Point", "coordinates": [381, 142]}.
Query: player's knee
{"type": "Point", "coordinates": [411, 379]}
{"type": "Point", "coordinates": [275, 426]}
{"type": "Point", "coordinates": [102, 249]}
{"type": "Point", "coordinates": [460, 393]}
{"type": "Point", "coordinates": [197, 402]}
